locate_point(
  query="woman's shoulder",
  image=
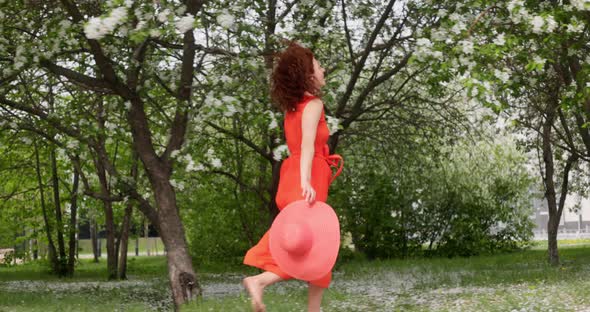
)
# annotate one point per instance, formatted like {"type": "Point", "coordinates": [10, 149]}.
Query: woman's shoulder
{"type": "Point", "coordinates": [309, 100]}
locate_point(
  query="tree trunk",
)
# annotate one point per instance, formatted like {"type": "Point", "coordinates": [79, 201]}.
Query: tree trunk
{"type": "Point", "coordinates": [137, 243]}
{"type": "Point", "coordinates": [58, 215]}
{"type": "Point", "coordinates": [555, 208]}
{"type": "Point", "coordinates": [110, 232]}
{"type": "Point", "coordinates": [183, 280]}
{"type": "Point", "coordinates": [125, 227]}
{"type": "Point", "coordinates": [35, 247]}
{"type": "Point", "coordinates": [146, 236]}
{"type": "Point", "coordinates": [552, 250]}
{"type": "Point", "coordinates": [553, 223]}
{"type": "Point", "coordinates": [112, 258]}
{"type": "Point", "coordinates": [94, 239]}
{"type": "Point", "coordinates": [124, 241]}
{"type": "Point", "coordinates": [73, 224]}
{"type": "Point", "coordinates": [51, 253]}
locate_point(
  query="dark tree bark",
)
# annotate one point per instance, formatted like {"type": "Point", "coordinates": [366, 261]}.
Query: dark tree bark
{"type": "Point", "coordinates": [555, 207]}
{"type": "Point", "coordinates": [123, 241]}
{"type": "Point", "coordinates": [94, 239]}
{"type": "Point", "coordinates": [109, 222]}
{"type": "Point", "coordinates": [52, 254]}
{"type": "Point", "coordinates": [73, 224]}
{"type": "Point", "coordinates": [105, 190]}
{"type": "Point", "coordinates": [62, 260]}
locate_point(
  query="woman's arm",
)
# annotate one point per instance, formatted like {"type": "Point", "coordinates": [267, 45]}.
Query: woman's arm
{"type": "Point", "coordinates": [309, 125]}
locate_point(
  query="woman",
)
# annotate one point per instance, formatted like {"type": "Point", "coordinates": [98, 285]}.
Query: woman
{"type": "Point", "coordinates": [306, 174]}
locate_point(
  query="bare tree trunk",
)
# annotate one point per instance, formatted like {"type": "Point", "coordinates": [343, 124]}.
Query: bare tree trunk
{"type": "Point", "coordinates": [110, 231]}
{"type": "Point", "coordinates": [101, 172]}
{"type": "Point", "coordinates": [124, 235]}
{"type": "Point", "coordinates": [35, 246]}
{"type": "Point", "coordinates": [146, 236]}
{"type": "Point", "coordinates": [73, 224]}
{"type": "Point", "coordinates": [555, 208]}
{"type": "Point", "coordinates": [94, 239]}
{"type": "Point", "coordinates": [51, 253]}
{"type": "Point", "coordinates": [137, 242]}
{"type": "Point", "coordinates": [553, 223]}
{"type": "Point", "coordinates": [124, 241]}
{"type": "Point", "coordinates": [58, 215]}
{"type": "Point", "coordinates": [183, 279]}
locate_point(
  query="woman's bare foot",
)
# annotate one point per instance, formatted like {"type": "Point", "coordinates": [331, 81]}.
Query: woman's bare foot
{"type": "Point", "coordinates": [255, 289]}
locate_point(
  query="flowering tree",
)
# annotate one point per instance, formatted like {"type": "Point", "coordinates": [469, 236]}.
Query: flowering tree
{"type": "Point", "coordinates": [527, 61]}
{"type": "Point", "coordinates": [116, 53]}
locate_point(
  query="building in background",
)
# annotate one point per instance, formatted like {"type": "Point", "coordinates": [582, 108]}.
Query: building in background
{"type": "Point", "coordinates": [575, 219]}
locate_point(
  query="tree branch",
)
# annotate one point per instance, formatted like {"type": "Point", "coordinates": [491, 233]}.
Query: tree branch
{"type": "Point", "coordinates": [243, 139]}
{"type": "Point", "coordinates": [87, 82]}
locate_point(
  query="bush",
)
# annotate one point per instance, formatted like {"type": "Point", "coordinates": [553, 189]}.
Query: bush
{"type": "Point", "coordinates": [476, 200]}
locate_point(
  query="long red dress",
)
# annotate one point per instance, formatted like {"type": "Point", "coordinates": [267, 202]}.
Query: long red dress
{"type": "Point", "coordinates": [290, 183]}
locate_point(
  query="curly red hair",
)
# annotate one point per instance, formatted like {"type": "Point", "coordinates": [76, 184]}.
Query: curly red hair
{"type": "Point", "coordinates": [291, 76]}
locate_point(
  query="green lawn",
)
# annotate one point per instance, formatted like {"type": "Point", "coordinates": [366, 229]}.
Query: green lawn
{"type": "Point", "coordinates": [520, 281]}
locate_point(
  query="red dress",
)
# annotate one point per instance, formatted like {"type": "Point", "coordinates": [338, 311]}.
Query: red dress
{"type": "Point", "coordinates": [290, 183]}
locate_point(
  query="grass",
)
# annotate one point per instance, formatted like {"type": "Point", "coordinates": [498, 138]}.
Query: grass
{"type": "Point", "coordinates": [519, 281]}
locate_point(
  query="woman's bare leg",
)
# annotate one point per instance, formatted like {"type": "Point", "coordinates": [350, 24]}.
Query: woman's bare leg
{"type": "Point", "coordinates": [315, 295]}
{"type": "Point", "coordinates": [255, 286]}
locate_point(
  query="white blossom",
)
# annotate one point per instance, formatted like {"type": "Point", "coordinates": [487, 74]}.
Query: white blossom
{"type": "Point", "coordinates": [177, 185]}
{"type": "Point", "coordinates": [216, 162]}
{"type": "Point", "coordinates": [72, 144]}
{"type": "Point", "coordinates": [225, 19]}
{"type": "Point", "coordinates": [229, 99]}
{"type": "Point", "coordinates": [155, 33]}
{"type": "Point", "coordinates": [279, 152]}
{"type": "Point", "coordinates": [273, 121]}
{"type": "Point", "coordinates": [458, 27]}
{"type": "Point", "coordinates": [190, 167]}
{"type": "Point", "coordinates": [97, 27]}
{"type": "Point", "coordinates": [537, 23]}
{"type": "Point", "coordinates": [333, 124]}
{"type": "Point", "coordinates": [539, 60]}
{"type": "Point", "coordinates": [466, 46]}
{"type": "Point", "coordinates": [581, 4]}
{"type": "Point", "coordinates": [231, 110]}
{"type": "Point", "coordinates": [140, 25]}
{"type": "Point", "coordinates": [438, 35]}
{"type": "Point", "coordinates": [500, 40]}
{"type": "Point", "coordinates": [551, 24]}
{"type": "Point", "coordinates": [455, 17]}
{"type": "Point", "coordinates": [163, 16]}
{"type": "Point", "coordinates": [423, 42]}
{"type": "Point", "coordinates": [504, 76]}
{"type": "Point", "coordinates": [513, 4]}
{"type": "Point", "coordinates": [110, 126]}
{"type": "Point", "coordinates": [180, 10]}
{"type": "Point", "coordinates": [94, 29]}
{"type": "Point", "coordinates": [185, 23]}
{"type": "Point", "coordinates": [575, 26]}
{"type": "Point", "coordinates": [174, 153]}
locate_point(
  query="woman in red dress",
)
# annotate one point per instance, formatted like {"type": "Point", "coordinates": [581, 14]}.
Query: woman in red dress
{"type": "Point", "coordinates": [306, 173]}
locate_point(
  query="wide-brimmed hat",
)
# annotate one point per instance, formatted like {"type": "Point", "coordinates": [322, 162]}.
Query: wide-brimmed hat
{"type": "Point", "coordinates": [304, 239]}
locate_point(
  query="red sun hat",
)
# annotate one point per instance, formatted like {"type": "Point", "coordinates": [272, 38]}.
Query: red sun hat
{"type": "Point", "coordinates": [304, 239]}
